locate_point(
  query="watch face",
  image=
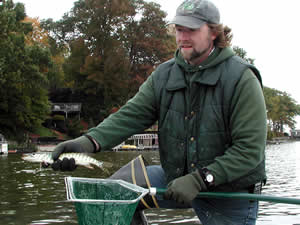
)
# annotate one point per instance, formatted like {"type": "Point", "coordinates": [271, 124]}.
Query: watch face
{"type": "Point", "coordinates": [209, 178]}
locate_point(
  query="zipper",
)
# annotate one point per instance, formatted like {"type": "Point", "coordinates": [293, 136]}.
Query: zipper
{"type": "Point", "coordinates": [187, 119]}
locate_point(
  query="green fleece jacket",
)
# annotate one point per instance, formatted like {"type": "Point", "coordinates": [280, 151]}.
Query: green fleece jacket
{"type": "Point", "coordinates": [207, 118]}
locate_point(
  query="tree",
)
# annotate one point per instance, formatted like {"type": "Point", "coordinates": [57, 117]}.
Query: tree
{"type": "Point", "coordinates": [23, 82]}
{"type": "Point", "coordinates": [281, 110]}
{"type": "Point", "coordinates": [281, 107]}
{"type": "Point", "coordinates": [148, 43]}
{"type": "Point", "coordinates": [37, 35]}
{"type": "Point", "coordinates": [111, 48]}
{"type": "Point", "coordinates": [56, 75]}
{"type": "Point", "coordinates": [243, 54]}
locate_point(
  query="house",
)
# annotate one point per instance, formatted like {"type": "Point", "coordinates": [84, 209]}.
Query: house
{"type": "Point", "coordinates": [295, 133]}
{"type": "Point", "coordinates": [147, 141]}
{"type": "Point", "coordinates": [3, 145]}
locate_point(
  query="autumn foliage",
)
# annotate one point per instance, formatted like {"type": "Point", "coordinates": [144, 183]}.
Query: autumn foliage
{"type": "Point", "coordinates": [114, 46]}
{"type": "Point", "coordinates": [24, 67]}
{"type": "Point", "coordinates": [98, 54]}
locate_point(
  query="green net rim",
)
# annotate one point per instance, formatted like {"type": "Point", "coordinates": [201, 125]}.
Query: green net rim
{"type": "Point", "coordinates": [71, 197]}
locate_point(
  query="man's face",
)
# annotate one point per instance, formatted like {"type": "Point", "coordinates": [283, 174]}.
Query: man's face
{"type": "Point", "coordinates": [195, 44]}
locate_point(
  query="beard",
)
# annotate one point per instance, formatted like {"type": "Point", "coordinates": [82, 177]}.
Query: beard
{"type": "Point", "coordinates": [193, 56]}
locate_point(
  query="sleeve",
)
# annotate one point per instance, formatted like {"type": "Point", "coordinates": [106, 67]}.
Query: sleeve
{"type": "Point", "coordinates": [135, 116]}
{"type": "Point", "coordinates": [248, 123]}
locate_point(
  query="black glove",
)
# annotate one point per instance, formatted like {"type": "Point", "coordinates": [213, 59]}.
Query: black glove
{"type": "Point", "coordinates": [81, 144]}
{"type": "Point", "coordinates": [184, 189]}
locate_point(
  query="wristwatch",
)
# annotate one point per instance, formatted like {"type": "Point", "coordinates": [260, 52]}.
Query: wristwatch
{"type": "Point", "coordinates": [207, 177]}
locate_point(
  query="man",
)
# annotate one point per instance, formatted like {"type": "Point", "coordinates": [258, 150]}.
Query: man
{"type": "Point", "coordinates": [211, 116]}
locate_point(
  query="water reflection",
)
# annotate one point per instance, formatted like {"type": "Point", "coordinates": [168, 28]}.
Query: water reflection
{"type": "Point", "coordinates": [32, 198]}
{"type": "Point", "coordinates": [283, 180]}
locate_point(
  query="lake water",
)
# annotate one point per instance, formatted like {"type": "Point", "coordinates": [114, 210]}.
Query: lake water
{"type": "Point", "coordinates": [29, 198]}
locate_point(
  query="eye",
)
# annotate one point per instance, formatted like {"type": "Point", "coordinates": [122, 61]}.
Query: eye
{"type": "Point", "coordinates": [179, 29]}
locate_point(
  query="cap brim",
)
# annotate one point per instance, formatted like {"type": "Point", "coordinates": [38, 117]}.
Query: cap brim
{"type": "Point", "coordinates": [187, 21]}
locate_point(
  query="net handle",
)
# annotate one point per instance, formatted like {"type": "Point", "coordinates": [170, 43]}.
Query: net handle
{"type": "Point", "coordinates": [238, 195]}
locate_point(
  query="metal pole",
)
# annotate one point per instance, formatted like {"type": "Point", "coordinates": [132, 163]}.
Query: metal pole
{"type": "Point", "coordinates": [245, 196]}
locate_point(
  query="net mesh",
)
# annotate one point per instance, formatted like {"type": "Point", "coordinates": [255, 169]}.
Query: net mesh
{"type": "Point", "coordinates": [103, 201]}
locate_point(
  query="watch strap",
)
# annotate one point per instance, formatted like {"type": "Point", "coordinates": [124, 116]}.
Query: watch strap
{"type": "Point", "coordinates": [204, 172]}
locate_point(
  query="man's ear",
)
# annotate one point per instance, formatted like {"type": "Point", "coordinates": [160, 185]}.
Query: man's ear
{"type": "Point", "coordinates": [213, 35]}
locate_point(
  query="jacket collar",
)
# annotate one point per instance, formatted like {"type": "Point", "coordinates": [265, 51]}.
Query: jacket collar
{"type": "Point", "coordinates": [205, 76]}
{"type": "Point", "coordinates": [208, 74]}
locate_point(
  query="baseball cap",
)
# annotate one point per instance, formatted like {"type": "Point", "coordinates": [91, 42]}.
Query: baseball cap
{"type": "Point", "coordinates": [194, 13]}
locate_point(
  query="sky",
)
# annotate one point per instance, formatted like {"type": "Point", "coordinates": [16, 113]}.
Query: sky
{"type": "Point", "coordinates": [266, 29]}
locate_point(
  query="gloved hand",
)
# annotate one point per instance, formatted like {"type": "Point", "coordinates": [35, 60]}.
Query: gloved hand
{"type": "Point", "coordinates": [184, 189]}
{"type": "Point", "coordinates": [80, 144]}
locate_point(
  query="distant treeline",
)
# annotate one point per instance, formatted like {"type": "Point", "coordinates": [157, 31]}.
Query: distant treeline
{"type": "Point", "coordinates": [98, 54]}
